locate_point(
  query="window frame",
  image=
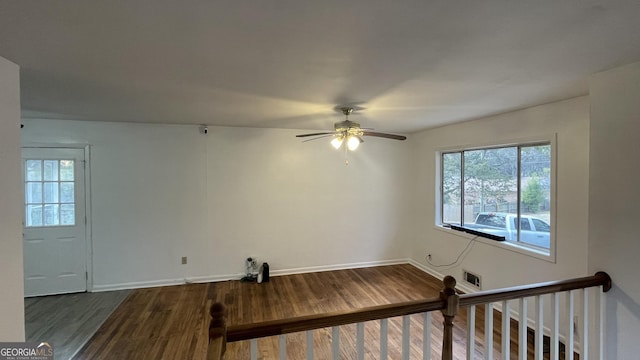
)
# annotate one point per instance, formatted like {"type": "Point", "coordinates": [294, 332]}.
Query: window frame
{"type": "Point", "coordinates": [549, 139]}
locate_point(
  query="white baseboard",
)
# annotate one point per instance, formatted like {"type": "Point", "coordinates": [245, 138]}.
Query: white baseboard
{"type": "Point", "coordinates": [426, 269]}
{"type": "Point", "coordinates": [137, 285]}
{"type": "Point", "coordinates": [218, 278]}
{"type": "Point", "coordinates": [212, 278]}
{"type": "Point", "coordinates": [310, 269]}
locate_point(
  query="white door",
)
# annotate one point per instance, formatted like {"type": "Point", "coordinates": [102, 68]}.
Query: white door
{"type": "Point", "coordinates": [54, 221]}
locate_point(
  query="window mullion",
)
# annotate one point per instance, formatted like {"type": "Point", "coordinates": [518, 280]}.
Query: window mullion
{"type": "Point", "coordinates": [42, 200]}
{"type": "Point", "coordinates": [462, 221]}
{"type": "Point", "coordinates": [59, 195]}
{"type": "Point", "coordinates": [518, 193]}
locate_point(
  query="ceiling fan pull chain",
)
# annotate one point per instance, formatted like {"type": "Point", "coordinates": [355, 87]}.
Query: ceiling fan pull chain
{"type": "Point", "coordinates": [346, 155]}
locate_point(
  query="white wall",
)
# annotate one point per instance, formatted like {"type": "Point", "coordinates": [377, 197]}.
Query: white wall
{"type": "Point", "coordinates": [614, 196]}
{"type": "Point", "coordinates": [500, 267]}
{"type": "Point", "coordinates": [298, 205]}
{"type": "Point", "coordinates": [159, 192]}
{"type": "Point", "coordinates": [11, 282]}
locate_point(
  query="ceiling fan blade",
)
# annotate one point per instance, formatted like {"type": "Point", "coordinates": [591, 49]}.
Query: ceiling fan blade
{"type": "Point", "coordinates": [319, 137]}
{"type": "Point", "coordinates": [316, 134]}
{"type": "Point", "coordinates": [384, 135]}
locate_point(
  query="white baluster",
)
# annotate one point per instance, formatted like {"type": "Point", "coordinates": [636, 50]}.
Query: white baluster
{"type": "Point", "coordinates": [309, 344]}
{"type": "Point", "coordinates": [600, 311]}
{"type": "Point", "coordinates": [384, 331]}
{"type": "Point", "coordinates": [426, 336]}
{"type": "Point", "coordinates": [488, 331]}
{"type": "Point", "coordinates": [406, 337]}
{"type": "Point", "coordinates": [360, 340]}
{"type": "Point", "coordinates": [254, 349]}
{"type": "Point", "coordinates": [506, 330]}
{"type": "Point", "coordinates": [585, 324]}
{"type": "Point", "coordinates": [283, 347]}
{"type": "Point", "coordinates": [471, 332]}
{"type": "Point", "coordinates": [555, 314]}
{"type": "Point", "coordinates": [571, 331]}
{"type": "Point", "coordinates": [539, 347]}
{"type": "Point", "coordinates": [522, 330]}
{"type": "Point", "coordinates": [335, 342]}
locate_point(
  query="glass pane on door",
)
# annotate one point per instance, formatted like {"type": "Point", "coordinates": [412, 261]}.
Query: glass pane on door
{"type": "Point", "coordinates": [49, 193]}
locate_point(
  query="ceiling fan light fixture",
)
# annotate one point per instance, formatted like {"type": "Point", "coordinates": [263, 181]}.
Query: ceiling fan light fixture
{"type": "Point", "coordinates": [350, 131]}
{"type": "Point", "coordinates": [337, 142]}
{"type": "Point", "coordinates": [353, 142]}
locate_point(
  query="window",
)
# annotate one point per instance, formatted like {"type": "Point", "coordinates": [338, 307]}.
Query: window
{"type": "Point", "coordinates": [503, 191]}
{"type": "Point", "coordinates": [49, 193]}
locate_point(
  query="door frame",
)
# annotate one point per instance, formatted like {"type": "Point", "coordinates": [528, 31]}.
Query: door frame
{"type": "Point", "coordinates": [87, 200]}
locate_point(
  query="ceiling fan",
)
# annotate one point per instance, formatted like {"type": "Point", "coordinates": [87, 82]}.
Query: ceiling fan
{"type": "Point", "coordinates": [349, 131]}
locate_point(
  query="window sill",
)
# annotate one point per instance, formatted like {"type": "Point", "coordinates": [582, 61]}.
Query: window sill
{"type": "Point", "coordinates": [548, 256]}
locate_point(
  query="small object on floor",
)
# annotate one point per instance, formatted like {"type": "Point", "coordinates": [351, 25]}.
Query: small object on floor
{"type": "Point", "coordinates": [265, 272]}
{"type": "Point", "coordinates": [249, 278]}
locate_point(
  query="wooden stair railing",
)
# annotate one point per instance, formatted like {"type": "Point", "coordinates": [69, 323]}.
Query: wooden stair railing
{"type": "Point", "coordinates": [448, 303]}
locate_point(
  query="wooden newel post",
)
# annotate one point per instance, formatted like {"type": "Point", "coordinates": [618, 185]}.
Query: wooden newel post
{"type": "Point", "coordinates": [448, 294]}
{"type": "Point", "coordinates": [217, 333]}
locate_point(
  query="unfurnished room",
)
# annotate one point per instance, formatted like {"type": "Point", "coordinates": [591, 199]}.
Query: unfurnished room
{"type": "Point", "coordinates": [319, 180]}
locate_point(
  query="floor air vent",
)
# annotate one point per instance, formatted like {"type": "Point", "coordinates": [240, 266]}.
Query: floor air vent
{"type": "Point", "coordinates": [472, 278]}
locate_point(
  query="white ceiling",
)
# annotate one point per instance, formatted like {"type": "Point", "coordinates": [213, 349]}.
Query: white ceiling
{"type": "Point", "coordinates": [409, 64]}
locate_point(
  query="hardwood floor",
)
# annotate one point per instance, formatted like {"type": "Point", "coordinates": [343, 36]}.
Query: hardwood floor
{"type": "Point", "coordinates": [171, 322]}
{"type": "Point", "coordinates": [68, 321]}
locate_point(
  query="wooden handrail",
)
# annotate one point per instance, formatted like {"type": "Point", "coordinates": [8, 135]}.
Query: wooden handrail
{"type": "Point", "coordinates": [483, 297]}
{"type": "Point", "coordinates": [318, 321]}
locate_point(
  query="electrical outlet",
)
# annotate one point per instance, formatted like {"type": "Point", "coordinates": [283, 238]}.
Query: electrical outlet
{"type": "Point", "coordinates": [184, 260]}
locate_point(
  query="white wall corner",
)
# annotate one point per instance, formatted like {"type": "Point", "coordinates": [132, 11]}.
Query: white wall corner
{"type": "Point", "coordinates": [11, 268]}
